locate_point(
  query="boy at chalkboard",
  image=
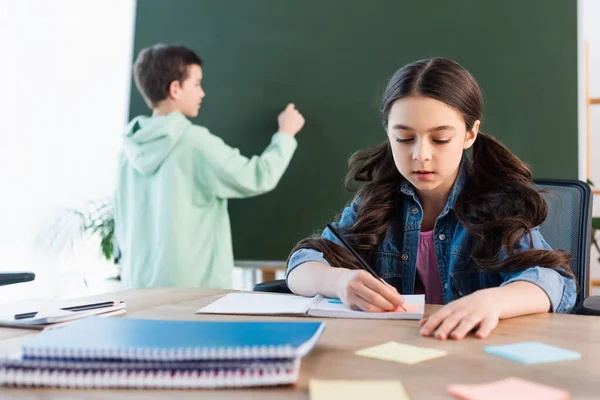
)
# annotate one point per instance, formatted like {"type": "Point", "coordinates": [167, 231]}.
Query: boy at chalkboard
{"type": "Point", "coordinates": [174, 178]}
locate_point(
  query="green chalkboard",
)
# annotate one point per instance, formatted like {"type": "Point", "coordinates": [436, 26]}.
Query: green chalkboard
{"type": "Point", "coordinates": [332, 58]}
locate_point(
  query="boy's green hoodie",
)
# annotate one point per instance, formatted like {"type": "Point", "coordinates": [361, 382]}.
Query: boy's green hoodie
{"type": "Point", "coordinates": [171, 219]}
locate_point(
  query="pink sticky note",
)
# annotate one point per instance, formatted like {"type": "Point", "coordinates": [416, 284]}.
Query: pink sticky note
{"type": "Point", "coordinates": [510, 388]}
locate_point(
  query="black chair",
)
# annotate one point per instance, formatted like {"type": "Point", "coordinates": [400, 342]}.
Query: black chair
{"type": "Point", "coordinates": [276, 286]}
{"type": "Point", "coordinates": [567, 227]}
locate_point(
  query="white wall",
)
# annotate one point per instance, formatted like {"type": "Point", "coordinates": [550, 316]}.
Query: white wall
{"type": "Point", "coordinates": [65, 70]}
{"type": "Point", "coordinates": [591, 32]}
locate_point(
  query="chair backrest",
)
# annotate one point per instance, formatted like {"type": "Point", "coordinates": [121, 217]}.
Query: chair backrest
{"type": "Point", "coordinates": [569, 223]}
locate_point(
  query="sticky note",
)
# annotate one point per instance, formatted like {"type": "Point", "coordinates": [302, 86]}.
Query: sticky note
{"type": "Point", "coordinates": [356, 390]}
{"type": "Point", "coordinates": [335, 301]}
{"type": "Point", "coordinates": [510, 388]}
{"type": "Point", "coordinates": [533, 353]}
{"type": "Point", "coordinates": [402, 353]}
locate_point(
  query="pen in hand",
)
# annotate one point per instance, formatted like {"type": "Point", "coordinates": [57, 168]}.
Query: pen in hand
{"type": "Point", "coordinates": [358, 258]}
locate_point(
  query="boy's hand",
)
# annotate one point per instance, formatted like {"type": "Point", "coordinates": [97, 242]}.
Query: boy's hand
{"type": "Point", "coordinates": [290, 120]}
{"type": "Point", "coordinates": [480, 310]}
{"type": "Point", "coordinates": [358, 289]}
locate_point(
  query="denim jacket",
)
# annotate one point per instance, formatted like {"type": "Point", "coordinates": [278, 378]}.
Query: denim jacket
{"type": "Point", "coordinates": [396, 256]}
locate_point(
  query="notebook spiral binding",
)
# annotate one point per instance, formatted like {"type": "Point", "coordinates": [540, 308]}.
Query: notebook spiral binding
{"type": "Point", "coordinates": [28, 363]}
{"type": "Point", "coordinates": [268, 374]}
{"type": "Point", "coordinates": [224, 353]}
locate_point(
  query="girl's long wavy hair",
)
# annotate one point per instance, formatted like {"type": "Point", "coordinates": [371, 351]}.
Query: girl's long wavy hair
{"type": "Point", "coordinates": [498, 206]}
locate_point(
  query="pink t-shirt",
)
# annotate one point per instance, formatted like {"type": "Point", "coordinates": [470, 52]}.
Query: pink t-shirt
{"type": "Point", "coordinates": [428, 271]}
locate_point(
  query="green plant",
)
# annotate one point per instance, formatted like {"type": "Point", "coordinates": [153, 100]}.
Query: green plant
{"type": "Point", "coordinates": [100, 220]}
{"type": "Point", "coordinates": [96, 219]}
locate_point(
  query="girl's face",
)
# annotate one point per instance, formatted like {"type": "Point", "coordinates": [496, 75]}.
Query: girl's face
{"type": "Point", "coordinates": [428, 138]}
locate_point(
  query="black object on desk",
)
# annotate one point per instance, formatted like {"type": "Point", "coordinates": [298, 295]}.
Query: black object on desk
{"type": "Point", "coordinates": [8, 278]}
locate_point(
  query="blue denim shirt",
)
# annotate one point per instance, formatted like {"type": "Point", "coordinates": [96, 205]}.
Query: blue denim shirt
{"type": "Point", "coordinates": [397, 254]}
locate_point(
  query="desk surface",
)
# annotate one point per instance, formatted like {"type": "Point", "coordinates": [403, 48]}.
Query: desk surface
{"type": "Point", "coordinates": [334, 358]}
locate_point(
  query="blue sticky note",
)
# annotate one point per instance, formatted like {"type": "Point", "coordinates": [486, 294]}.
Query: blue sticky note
{"type": "Point", "coordinates": [533, 353]}
{"type": "Point", "coordinates": [335, 301]}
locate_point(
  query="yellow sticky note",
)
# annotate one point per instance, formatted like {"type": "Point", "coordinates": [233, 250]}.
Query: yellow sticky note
{"type": "Point", "coordinates": [402, 353]}
{"type": "Point", "coordinates": [356, 390]}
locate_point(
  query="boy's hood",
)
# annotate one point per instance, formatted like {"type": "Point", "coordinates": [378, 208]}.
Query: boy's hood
{"type": "Point", "coordinates": [149, 140]}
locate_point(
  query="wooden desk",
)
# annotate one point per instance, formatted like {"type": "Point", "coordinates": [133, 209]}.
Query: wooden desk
{"type": "Point", "coordinates": [334, 358]}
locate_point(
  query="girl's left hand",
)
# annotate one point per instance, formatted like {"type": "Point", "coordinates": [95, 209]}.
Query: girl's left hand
{"type": "Point", "coordinates": [455, 320]}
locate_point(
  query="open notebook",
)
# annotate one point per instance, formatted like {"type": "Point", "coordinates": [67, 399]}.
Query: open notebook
{"type": "Point", "coordinates": [318, 306]}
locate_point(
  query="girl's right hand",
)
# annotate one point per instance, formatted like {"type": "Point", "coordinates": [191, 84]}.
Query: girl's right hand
{"type": "Point", "coordinates": [358, 289]}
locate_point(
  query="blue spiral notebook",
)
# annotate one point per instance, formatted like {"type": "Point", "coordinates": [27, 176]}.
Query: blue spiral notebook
{"type": "Point", "coordinates": [97, 338]}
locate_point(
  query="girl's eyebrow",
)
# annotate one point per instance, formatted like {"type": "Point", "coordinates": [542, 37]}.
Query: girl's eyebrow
{"type": "Point", "coordinates": [434, 129]}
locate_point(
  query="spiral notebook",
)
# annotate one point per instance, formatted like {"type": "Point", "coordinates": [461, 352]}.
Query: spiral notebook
{"type": "Point", "coordinates": [246, 375]}
{"type": "Point", "coordinates": [122, 352]}
{"type": "Point", "coordinates": [160, 340]}
{"type": "Point", "coordinates": [18, 361]}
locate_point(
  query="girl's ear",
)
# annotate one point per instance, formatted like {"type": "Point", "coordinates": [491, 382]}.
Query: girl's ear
{"type": "Point", "coordinates": [174, 89]}
{"type": "Point", "coordinates": [471, 135]}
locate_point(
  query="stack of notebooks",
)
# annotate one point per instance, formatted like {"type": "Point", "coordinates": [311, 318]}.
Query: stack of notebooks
{"type": "Point", "coordinates": [101, 352]}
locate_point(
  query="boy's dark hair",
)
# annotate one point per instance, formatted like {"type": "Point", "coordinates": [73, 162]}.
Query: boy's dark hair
{"type": "Point", "coordinates": [157, 66]}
